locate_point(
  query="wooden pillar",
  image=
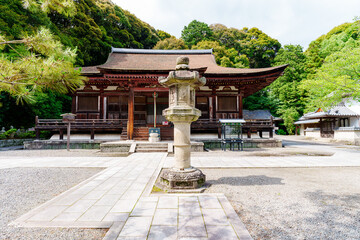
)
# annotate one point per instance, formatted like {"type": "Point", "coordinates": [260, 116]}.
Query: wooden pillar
{"type": "Point", "coordinates": [130, 123]}
{"type": "Point", "coordinates": [271, 133]}
{"type": "Point", "coordinates": [73, 104]}
{"type": "Point", "coordinates": [249, 133]}
{"type": "Point", "coordinates": [211, 108]}
{"type": "Point", "coordinates": [102, 103]}
{"type": "Point", "coordinates": [92, 134]}
{"type": "Point", "coordinates": [213, 95]}
{"type": "Point", "coordinates": [37, 131]}
{"type": "Point", "coordinates": [240, 99]}
{"type": "Point", "coordinates": [61, 134]}
{"type": "Point", "coordinates": [68, 136]}
{"type": "Point", "coordinates": [321, 127]}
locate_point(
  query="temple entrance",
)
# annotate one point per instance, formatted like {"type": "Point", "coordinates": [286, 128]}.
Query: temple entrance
{"type": "Point", "coordinates": [117, 107]}
{"type": "Point", "coordinates": [327, 128]}
{"type": "Point", "coordinates": [157, 104]}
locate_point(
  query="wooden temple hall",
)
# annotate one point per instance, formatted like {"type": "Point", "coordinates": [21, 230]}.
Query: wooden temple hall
{"type": "Point", "coordinates": [126, 89]}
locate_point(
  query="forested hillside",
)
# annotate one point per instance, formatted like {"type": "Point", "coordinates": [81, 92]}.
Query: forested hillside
{"type": "Point", "coordinates": [322, 76]}
{"type": "Point", "coordinates": [96, 26]}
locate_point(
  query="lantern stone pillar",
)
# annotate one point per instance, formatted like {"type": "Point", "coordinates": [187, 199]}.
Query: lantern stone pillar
{"type": "Point", "coordinates": [181, 113]}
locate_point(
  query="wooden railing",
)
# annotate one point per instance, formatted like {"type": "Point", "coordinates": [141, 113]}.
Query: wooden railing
{"type": "Point", "coordinates": [205, 124]}
{"type": "Point", "coordinates": [248, 127]}
{"type": "Point", "coordinates": [258, 123]}
{"type": "Point", "coordinates": [80, 123]}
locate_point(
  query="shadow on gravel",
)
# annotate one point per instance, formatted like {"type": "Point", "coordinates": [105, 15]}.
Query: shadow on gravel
{"type": "Point", "coordinates": [251, 180]}
{"type": "Point", "coordinates": [338, 216]}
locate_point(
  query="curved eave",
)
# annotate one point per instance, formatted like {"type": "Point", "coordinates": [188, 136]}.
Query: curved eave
{"type": "Point", "coordinates": [224, 72]}
{"type": "Point", "coordinates": [241, 72]}
{"type": "Point", "coordinates": [325, 115]}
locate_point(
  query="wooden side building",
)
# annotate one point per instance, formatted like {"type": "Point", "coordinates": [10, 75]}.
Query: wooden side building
{"type": "Point", "coordinates": [126, 88]}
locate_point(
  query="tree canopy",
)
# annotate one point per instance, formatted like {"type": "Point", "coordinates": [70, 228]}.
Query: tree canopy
{"type": "Point", "coordinates": [285, 92]}
{"type": "Point", "coordinates": [40, 63]}
{"type": "Point", "coordinates": [171, 43]}
{"type": "Point", "coordinates": [195, 32]}
{"type": "Point", "coordinates": [333, 66]}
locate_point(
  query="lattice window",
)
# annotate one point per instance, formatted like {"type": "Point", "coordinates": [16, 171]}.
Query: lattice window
{"type": "Point", "coordinates": [227, 104]}
{"type": "Point", "coordinates": [88, 103]}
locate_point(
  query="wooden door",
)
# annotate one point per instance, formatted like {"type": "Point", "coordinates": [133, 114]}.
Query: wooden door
{"type": "Point", "coordinates": [327, 128]}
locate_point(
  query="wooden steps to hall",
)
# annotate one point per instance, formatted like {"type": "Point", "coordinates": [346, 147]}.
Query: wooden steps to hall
{"type": "Point", "coordinates": [142, 134]}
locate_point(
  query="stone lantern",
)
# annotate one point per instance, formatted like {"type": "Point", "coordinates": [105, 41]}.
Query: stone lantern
{"type": "Point", "coordinates": [182, 112]}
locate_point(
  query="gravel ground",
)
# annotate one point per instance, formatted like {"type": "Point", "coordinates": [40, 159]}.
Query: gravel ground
{"type": "Point", "coordinates": [293, 203]}
{"type": "Point", "coordinates": [22, 189]}
{"type": "Point", "coordinates": [51, 153]}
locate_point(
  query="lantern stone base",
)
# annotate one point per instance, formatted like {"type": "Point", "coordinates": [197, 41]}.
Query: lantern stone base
{"type": "Point", "coordinates": [188, 180]}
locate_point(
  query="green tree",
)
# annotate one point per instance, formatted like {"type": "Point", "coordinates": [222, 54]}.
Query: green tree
{"type": "Point", "coordinates": [333, 41]}
{"type": "Point", "coordinates": [285, 89]}
{"type": "Point", "coordinates": [258, 47]}
{"type": "Point", "coordinates": [261, 100]}
{"type": "Point", "coordinates": [226, 57]}
{"type": "Point", "coordinates": [163, 35]}
{"type": "Point", "coordinates": [43, 64]}
{"type": "Point", "coordinates": [46, 65]}
{"type": "Point", "coordinates": [171, 43]}
{"type": "Point", "coordinates": [65, 7]}
{"type": "Point", "coordinates": [289, 115]}
{"type": "Point", "coordinates": [337, 79]}
{"type": "Point", "coordinates": [333, 67]}
{"type": "Point", "coordinates": [195, 32]}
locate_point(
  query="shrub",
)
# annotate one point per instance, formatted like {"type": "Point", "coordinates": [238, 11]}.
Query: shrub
{"type": "Point", "coordinates": [10, 133]}
{"type": "Point", "coordinates": [280, 132]}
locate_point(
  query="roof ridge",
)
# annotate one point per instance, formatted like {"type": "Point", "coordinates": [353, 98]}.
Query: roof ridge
{"type": "Point", "coordinates": [160, 51]}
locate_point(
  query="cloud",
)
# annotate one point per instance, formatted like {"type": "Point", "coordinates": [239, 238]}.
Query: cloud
{"type": "Point", "coordinates": [289, 21]}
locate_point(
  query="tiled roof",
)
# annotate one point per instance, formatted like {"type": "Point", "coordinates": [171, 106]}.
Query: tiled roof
{"type": "Point", "coordinates": [90, 70]}
{"type": "Point", "coordinates": [341, 110]}
{"type": "Point", "coordinates": [307, 121]}
{"type": "Point", "coordinates": [121, 59]}
{"type": "Point", "coordinates": [156, 51]}
{"type": "Point", "coordinates": [256, 114]}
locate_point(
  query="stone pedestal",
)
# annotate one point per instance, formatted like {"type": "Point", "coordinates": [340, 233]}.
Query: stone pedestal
{"type": "Point", "coordinates": [182, 112]}
{"type": "Point", "coordinates": [154, 137]}
{"type": "Point", "coordinates": [190, 178]}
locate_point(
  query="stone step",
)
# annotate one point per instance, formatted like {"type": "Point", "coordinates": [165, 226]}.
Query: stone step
{"type": "Point", "coordinates": [146, 147]}
{"type": "Point", "coordinates": [151, 150]}
{"type": "Point", "coordinates": [151, 146]}
{"type": "Point", "coordinates": [141, 138]}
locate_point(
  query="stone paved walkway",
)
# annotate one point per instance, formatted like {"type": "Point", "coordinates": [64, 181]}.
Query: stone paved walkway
{"type": "Point", "coordinates": [120, 196]}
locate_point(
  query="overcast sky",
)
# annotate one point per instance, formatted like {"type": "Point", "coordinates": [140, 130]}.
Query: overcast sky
{"type": "Point", "coordinates": [289, 21]}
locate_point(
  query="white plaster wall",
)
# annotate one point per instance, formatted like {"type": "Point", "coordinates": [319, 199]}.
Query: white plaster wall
{"type": "Point", "coordinates": [346, 135]}
{"type": "Point", "coordinates": [315, 134]}
{"type": "Point", "coordinates": [354, 122]}
{"type": "Point", "coordinates": [302, 130]}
